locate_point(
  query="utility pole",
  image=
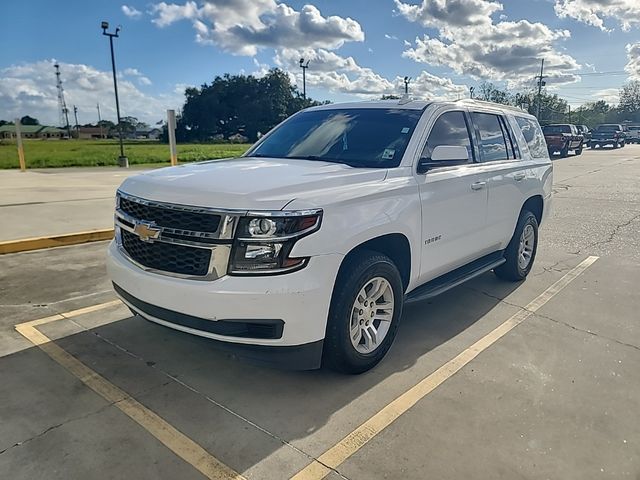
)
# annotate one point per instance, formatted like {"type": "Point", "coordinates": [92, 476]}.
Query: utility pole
{"type": "Point", "coordinates": [122, 160]}
{"type": "Point", "coordinates": [406, 85]}
{"type": "Point", "coordinates": [304, 67]}
{"type": "Point", "coordinates": [75, 114]}
{"type": "Point", "coordinates": [99, 120]}
{"type": "Point", "coordinates": [541, 83]}
{"type": "Point", "coordinates": [569, 113]}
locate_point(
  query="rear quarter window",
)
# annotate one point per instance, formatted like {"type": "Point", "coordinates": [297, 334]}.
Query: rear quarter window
{"type": "Point", "coordinates": [533, 136]}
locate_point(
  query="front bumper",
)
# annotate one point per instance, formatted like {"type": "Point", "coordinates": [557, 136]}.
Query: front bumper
{"type": "Point", "coordinates": [298, 302]}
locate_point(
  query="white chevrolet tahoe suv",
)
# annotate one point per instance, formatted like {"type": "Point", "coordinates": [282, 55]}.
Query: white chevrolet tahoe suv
{"type": "Point", "coordinates": [305, 249]}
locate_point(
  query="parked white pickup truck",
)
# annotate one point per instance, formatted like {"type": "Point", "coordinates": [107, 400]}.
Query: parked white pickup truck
{"type": "Point", "coordinates": [306, 248]}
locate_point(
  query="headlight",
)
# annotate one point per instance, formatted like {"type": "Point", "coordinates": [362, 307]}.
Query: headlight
{"type": "Point", "coordinates": [264, 241]}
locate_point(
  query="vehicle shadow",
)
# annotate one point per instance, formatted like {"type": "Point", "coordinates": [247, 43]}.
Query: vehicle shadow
{"type": "Point", "coordinates": [293, 405]}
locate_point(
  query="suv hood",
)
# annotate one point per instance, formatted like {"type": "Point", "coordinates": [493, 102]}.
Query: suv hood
{"type": "Point", "coordinates": [246, 183]}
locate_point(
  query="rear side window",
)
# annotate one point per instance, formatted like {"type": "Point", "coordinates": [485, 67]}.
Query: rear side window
{"type": "Point", "coordinates": [493, 144]}
{"type": "Point", "coordinates": [450, 129]}
{"type": "Point", "coordinates": [533, 136]}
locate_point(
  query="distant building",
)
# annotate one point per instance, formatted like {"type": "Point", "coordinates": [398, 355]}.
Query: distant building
{"type": "Point", "coordinates": [51, 132]}
{"type": "Point", "coordinates": [89, 133]}
{"type": "Point", "coordinates": [32, 131]}
{"type": "Point", "coordinates": [150, 133]}
{"type": "Point", "coordinates": [238, 138]}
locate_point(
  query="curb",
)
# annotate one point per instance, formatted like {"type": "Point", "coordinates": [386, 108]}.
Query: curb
{"type": "Point", "coordinates": [37, 243]}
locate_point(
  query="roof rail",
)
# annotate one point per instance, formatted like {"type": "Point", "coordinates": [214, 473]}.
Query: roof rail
{"type": "Point", "coordinates": [474, 101]}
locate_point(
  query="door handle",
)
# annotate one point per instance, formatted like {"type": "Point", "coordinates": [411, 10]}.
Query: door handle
{"type": "Point", "coordinates": [519, 176]}
{"type": "Point", "coordinates": [478, 185]}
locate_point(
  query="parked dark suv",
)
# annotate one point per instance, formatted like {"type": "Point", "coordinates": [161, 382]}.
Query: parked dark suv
{"type": "Point", "coordinates": [608, 134]}
{"type": "Point", "coordinates": [585, 132]}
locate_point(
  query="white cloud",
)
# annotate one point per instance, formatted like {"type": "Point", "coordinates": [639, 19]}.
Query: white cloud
{"type": "Point", "coordinates": [594, 12]}
{"type": "Point", "coordinates": [470, 42]}
{"type": "Point", "coordinates": [609, 95]}
{"type": "Point", "coordinates": [455, 13]}
{"type": "Point", "coordinates": [137, 74]}
{"type": "Point", "coordinates": [406, 43]}
{"type": "Point", "coordinates": [340, 74]}
{"type": "Point", "coordinates": [390, 37]}
{"type": "Point", "coordinates": [131, 12]}
{"type": "Point", "coordinates": [242, 27]}
{"type": "Point", "coordinates": [30, 89]}
{"type": "Point", "coordinates": [633, 60]}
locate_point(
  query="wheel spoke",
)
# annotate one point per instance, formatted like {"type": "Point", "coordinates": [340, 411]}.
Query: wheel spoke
{"type": "Point", "coordinates": [370, 335]}
{"type": "Point", "coordinates": [371, 315]}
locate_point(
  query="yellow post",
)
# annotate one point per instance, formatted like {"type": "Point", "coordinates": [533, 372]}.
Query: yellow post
{"type": "Point", "coordinates": [23, 166]}
{"type": "Point", "coordinates": [171, 130]}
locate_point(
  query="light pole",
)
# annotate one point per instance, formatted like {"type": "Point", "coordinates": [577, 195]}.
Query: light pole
{"type": "Point", "coordinates": [122, 160]}
{"type": "Point", "coordinates": [406, 85]}
{"type": "Point", "coordinates": [471, 90]}
{"type": "Point", "coordinates": [75, 114]}
{"type": "Point", "coordinates": [304, 67]}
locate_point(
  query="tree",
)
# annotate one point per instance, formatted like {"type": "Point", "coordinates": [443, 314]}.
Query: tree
{"type": "Point", "coordinates": [630, 97]}
{"type": "Point", "coordinates": [491, 93]}
{"type": "Point", "coordinates": [27, 120]}
{"type": "Point", "coordinates": [238, 104]}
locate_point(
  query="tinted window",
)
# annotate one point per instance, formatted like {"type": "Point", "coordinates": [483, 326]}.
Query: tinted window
{"type": "Point", "coordinates": [607, 128]}
{"type": "Point", "coordinates": [551, 129]}
{"type": "Point", "coordinates": [360, 137]}
{"type": "Point", "coordinates": [533, 136]}
{"type": "Point", "coordinates": [492, 142]}
{"type": "Point", "coordinates": [450, 129]}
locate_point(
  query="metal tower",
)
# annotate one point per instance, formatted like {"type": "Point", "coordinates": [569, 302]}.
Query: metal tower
{"type": "Point", "coordinates": [62, 105]}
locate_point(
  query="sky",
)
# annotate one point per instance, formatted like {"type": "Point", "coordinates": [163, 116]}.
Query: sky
{"type": "Point", "coordinates": [358, 49]}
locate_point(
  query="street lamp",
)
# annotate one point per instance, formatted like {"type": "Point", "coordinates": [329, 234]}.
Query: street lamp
{"type": "Point", "coordinates": [122, 160]}
{"type": "Point", "coordinates": [304, 67]}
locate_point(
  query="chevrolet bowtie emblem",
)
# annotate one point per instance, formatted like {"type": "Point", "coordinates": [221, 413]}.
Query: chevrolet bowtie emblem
{"type": "Point", "coordinates": [147, 231]}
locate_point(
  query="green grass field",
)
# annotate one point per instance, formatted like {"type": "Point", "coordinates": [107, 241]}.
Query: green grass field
{"type": "Point", "coordinates": [89, 153]}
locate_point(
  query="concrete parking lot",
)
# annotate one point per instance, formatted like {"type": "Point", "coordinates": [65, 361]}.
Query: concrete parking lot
{"type": "Point", "coordinates": [491, 380]}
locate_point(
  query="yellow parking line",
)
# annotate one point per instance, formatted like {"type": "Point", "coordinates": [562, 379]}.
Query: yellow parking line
{"type": "Point", "coordinates": [171, 437]}
{"type": "Point", "coordinates": [37, 243]}
{"type": "Point", "coordinates": [354, 441]}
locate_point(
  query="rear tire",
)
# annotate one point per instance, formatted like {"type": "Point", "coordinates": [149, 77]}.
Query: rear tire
{"type": "Point", "coordinates": [521, 251]}
{"type": "Point", "coordinates": [351, 314]}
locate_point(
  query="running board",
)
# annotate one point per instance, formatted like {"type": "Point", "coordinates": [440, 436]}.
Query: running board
{"type": "Point", "coordinates": [456, 277]}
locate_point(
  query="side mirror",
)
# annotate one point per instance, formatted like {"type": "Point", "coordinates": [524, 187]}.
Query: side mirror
{"type": "Point", "coordinates": [444, 156]}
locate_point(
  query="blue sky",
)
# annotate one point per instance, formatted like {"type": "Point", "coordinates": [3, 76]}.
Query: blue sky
{"type": "Point", "coordinates": [359, 48]}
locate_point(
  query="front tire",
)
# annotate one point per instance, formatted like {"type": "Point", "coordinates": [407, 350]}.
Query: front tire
{"type": "Point", "coordinates": [365, 312]}
{"type": "Point", "coordinates": [579, 150]}
{"type": "Point", "coordinates": [521, 251]}
{"type": "Point", "coordinates": [564, 152]}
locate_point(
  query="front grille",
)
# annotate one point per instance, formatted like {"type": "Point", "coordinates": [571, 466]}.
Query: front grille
{"type": "Point", "coordinates": [166, 256]}
{"type": "Point", "coordinates": [178, 219]}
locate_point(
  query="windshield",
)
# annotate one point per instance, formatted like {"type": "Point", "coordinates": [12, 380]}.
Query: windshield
{"type": "Point", "coordinates": [607, 128]}
{"type": "Point", "coordinates": [359, 137]}
{"type": "Point", "coordinates": [557, 129]}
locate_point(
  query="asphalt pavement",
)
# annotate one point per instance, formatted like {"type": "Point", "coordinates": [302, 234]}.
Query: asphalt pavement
{"type": "Point", "coordinates": [490, 380]}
